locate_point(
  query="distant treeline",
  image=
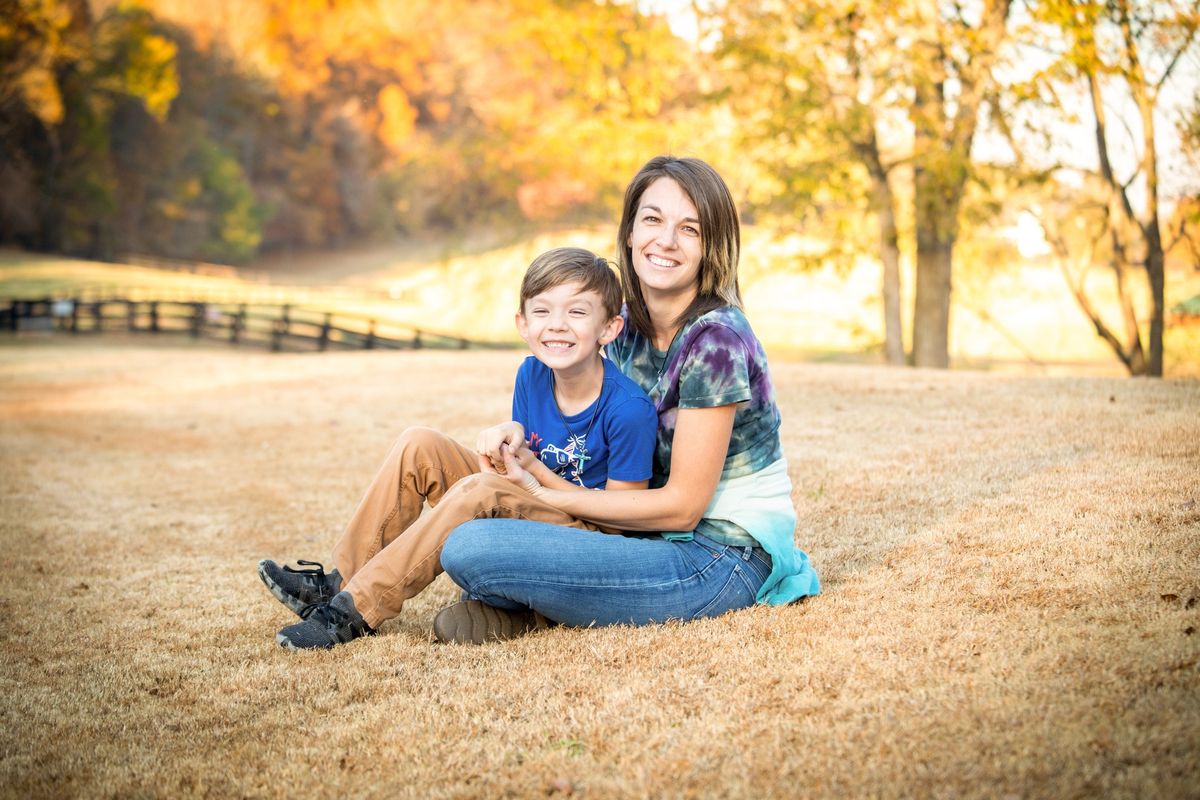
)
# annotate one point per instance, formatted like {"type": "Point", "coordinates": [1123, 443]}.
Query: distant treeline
{"type": "Point", "coordinates": [215, 131]}
{"type": "Point", "coordinates": [922, 134]}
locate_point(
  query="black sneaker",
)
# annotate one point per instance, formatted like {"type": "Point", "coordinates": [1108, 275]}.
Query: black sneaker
{"type": "Point", "coordinates": [475, 622]}
{"type": "Point", "coordinates": [299, 588]}
{"type": "Point", "coordinates": [326, 624]}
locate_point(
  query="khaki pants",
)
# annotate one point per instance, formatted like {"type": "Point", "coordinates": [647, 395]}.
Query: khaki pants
{"type": "Point", "coordinates": [390, 551]}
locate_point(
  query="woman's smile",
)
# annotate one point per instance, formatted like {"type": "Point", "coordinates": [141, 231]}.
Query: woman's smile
{"type": "Point", "coordinates": [666, 241]}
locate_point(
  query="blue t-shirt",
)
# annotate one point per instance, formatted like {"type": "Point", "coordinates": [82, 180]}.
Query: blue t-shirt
{"type": "Point", "coordinates": [612, 438]}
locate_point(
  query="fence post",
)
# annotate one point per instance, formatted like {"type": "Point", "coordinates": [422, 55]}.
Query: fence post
{"type": "Point", "coordinates": [131, 312]}
{"type": "Point", "coordinates": [197, 319]}
{"type": "Point", "coordinates": [323, 342]}
{"type": "Point", "coordinates": [369, 342]}
{"type": "Point", "coordinates": [416, 343]}
{"type": "Point", "coordinates": [154, 316]}
{"type": "Point", "coordinates": [280, 329]}
{"type": "Point", "coordinates": [75, 315]}
{"type": "Point", "coordinates": [98, 316]}
{"type": "Point", "coordinates": [236, 324]}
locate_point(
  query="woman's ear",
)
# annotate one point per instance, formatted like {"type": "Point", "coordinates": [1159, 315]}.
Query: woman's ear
{"type": "Point", "coordinates": [611, 330]}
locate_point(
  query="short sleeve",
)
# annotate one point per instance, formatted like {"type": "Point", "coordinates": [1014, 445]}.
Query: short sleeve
{"type": "Point", "coordinates": [520, 400]}
{"type": "Point", "coordinates": [716, 369]}
{"type": "Point", "coordinates": [631, 439]}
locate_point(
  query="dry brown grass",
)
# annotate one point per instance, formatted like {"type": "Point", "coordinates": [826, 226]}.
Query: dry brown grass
{"type": "Point", "coordinates": [1010, 569]}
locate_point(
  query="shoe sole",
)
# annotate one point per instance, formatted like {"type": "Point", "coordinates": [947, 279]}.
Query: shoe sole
{"type": "Point", "coordinates": [474, 622]}
{"type": "Point", "coordinates": [287, 644]}
{"type": "Point", "coordinates": [277, 591]}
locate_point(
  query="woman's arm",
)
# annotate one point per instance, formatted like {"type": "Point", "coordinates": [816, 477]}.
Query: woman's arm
{"type": "Point", "coordinates": [549, 479]}
{"type": "Point", "coordinates": [697, 455]}
{"type": "Point", "coordinates": [552, 480]}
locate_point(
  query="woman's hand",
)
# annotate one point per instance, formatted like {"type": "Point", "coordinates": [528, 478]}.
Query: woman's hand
{"type": "Point", "coordinates": [515, 470]}
{"type": "Point", "coordinates": [490, 440]}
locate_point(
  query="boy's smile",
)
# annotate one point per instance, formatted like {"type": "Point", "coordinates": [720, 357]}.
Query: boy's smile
{"type": "Point", "coordinates": [565, 327]}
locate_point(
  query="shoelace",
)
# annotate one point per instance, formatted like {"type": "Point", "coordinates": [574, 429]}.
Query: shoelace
{"type": "Point", "coordinates": [337, 621]}
{"type": "Point", "coordinates": [315, 576]}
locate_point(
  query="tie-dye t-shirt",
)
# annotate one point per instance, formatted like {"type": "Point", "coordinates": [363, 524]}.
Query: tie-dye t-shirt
{"type": "Point", "coordinates": [714, 360]}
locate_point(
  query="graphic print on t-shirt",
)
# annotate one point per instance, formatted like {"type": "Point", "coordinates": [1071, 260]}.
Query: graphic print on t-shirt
{"type": "Point", "coordinates": [569, 461]}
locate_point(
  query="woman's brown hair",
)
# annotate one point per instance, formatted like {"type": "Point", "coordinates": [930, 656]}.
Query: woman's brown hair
{"type": "Point", "coordinates": [720, 235]}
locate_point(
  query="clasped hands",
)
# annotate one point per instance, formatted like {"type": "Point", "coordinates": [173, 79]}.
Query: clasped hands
{"type": "Point", "coordinates": [503, 451]}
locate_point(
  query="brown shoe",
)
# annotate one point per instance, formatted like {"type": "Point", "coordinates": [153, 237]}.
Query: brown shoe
{"type": "Point", "coordinates": [474, 622]}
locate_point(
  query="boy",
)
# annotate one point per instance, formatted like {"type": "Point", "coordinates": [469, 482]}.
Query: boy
{"type": "Point", "coordinates": [577, 422]}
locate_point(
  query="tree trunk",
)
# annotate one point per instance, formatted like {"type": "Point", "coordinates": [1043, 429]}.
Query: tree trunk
{"type": "Point", "coordinates": [931, 316]}
{"type": "Point", "coordinates": [1155, 268]}
{"type": "Point", "coordinates": [884, 206]}
{"type": "Point", "coordinates": [889, 252]}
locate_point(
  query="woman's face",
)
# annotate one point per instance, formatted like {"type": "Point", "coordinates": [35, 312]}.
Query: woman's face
{"type": "Point", "coordinates": [666, 241]}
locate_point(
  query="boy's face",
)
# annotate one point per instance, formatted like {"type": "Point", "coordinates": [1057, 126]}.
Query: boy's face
{"type": "Point", "coordinates": [566, 326]}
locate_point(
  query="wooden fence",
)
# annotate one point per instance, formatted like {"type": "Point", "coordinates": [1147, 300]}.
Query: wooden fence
{"type": "Point", "coordinates": [279, 327]}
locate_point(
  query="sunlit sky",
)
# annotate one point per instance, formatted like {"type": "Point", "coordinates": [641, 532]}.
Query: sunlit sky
{"type": "Point", "coordinates": [679, 13]}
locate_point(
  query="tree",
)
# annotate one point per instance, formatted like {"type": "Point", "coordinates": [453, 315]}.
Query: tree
{"type": "Point", "coordinates": [64, 76]}
{"type": "Point", "coordinates": [840, 73]}
{"type": "Point", "coordinates": [953, 54]}
{"type": "Point", "coordinates": [808, 76]}
{"type": "Point", "coordinates": [1122, 54]}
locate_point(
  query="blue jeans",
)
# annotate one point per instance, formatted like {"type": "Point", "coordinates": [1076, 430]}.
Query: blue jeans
{"type": "Point", "coordinates": [583, 578]}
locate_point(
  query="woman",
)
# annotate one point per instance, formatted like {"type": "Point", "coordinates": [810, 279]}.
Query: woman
{"type": "Point", "coordinates": [714, 530]}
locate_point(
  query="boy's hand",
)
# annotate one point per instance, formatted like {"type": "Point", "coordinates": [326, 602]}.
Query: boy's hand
{"type": "Point", "coordinates": [490, 440]}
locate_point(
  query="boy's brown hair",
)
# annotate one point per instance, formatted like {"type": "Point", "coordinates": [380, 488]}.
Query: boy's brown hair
{"type": "Point", "coordinates": [573, 265]}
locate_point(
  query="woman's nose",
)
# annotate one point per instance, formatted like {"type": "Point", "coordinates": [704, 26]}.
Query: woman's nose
{"type": "Point", "coordinates": [667, 237]}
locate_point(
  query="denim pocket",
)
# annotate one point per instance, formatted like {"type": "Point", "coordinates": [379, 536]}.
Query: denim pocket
{"type": "Point", "coordinates": [736, 592]}
{"type": "Point", "coordinates": [760, 566]}
{"type": "Point", "coordinates": [701, 555]}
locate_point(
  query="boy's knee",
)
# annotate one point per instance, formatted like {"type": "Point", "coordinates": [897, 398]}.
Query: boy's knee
{"type": "Point", "coordinates": [481, 485]}
{"type": "Point", "coordinates": [419, 437]}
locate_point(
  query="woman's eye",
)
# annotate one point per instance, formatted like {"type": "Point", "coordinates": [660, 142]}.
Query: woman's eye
{"type": "Point", "coordinates": [691, 231]}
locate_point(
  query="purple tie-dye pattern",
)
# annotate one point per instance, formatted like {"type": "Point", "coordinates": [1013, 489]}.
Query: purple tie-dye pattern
{"type": "Point", "coordinates": [715, 360]}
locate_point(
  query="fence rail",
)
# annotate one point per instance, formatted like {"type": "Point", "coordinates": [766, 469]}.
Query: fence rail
{"type": "Point", "coordinates": [279, 327]}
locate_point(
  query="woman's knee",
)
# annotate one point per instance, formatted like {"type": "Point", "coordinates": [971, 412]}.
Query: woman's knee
{"type": "Point", "coordinates": [466, 546]}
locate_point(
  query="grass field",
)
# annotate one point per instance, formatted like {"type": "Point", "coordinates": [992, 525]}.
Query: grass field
{"type": "Point", "coordinates": [1009, 609]}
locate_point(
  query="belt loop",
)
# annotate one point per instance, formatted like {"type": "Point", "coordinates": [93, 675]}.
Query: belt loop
{"type": "Point", "coordinates": [747, 551]}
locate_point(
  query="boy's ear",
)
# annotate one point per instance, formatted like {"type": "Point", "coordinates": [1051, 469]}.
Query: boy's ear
{"type": "Point", "coordinates": [611, 330]}
{"type": "Point", "coordinates": [522, 326]}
